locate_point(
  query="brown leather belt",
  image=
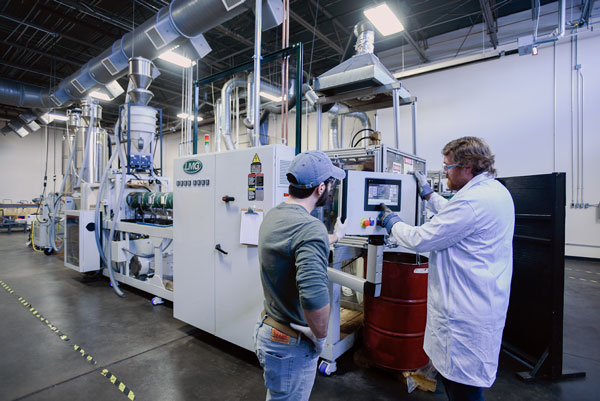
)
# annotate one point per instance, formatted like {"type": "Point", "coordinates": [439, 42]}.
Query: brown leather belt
{"type": "Point", "coordinates": [284, 328]}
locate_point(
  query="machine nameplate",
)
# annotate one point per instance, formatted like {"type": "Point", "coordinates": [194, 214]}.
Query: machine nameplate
{"type": "Point", "coordinates": [192, 166]}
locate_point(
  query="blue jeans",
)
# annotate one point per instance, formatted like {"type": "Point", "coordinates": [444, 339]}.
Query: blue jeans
{"type": "Point", "coordinates": [289, 364]}
{"type": "Point", "coordinates": [461, 392]}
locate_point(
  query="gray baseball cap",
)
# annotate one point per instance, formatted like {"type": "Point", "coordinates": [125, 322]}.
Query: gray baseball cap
{"type": "Point", "coordinates": [311, 168]}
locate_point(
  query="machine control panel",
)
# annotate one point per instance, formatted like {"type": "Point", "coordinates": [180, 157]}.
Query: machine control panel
{"type": "Point", "coordinates": [364, 191]}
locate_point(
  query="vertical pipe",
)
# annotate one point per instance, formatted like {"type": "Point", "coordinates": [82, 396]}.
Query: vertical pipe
{"type": "Point", "coordinates": [414, 126]}
{"type": "Point", "coordinates": [396, 110]}
{"type": "Point", "coordinates": [554, 111]}
{"type": "Point", "coordinates": [162, 172]}
{"type": "Point", "coordinates": [319, 126]}
{"type": "Point", "coordinates": [299, 83]}
{"type": "Point", "coordinates": [341, 130]}
{"type": "Point", "coordinates": [195, 96]}
{"type": "Point", "coordinates": [257, 57]}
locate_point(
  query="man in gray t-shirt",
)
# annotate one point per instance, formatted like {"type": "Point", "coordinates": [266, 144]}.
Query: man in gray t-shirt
{"type": "Point", "coordinates": [293, 248]}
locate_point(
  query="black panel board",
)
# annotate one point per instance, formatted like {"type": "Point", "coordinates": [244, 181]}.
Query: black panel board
{"type": "Point", "coordinates": [534, 324]}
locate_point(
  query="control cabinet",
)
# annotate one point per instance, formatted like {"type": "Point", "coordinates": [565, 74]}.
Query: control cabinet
{"type": "Point", "coordinates": [216, 277]}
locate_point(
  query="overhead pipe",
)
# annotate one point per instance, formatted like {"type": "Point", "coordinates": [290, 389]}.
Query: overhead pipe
{"type": "Point", "coordinates": [182, 22]}
{"type": "Point", "coordinates": [338, 110]}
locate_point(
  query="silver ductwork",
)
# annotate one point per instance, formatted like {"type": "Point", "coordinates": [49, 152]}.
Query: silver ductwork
{"type": "Point", "coordinates": [180, 23]}
{"type": "Point", "coordinates": [363, 70]}
{"type": "Point", "coordinates": [336, 136]}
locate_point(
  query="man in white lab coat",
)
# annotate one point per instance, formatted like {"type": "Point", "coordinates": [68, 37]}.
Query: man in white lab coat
{"type": "Point", "coordinates": [470, 267]}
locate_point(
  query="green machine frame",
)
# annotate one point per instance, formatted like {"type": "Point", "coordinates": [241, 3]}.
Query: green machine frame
{"type": "Point", "coordinates": [296, 49]}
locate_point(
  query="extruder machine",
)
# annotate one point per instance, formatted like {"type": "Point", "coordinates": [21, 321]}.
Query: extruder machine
{"type": "Point", "coordinates": [127, 231]}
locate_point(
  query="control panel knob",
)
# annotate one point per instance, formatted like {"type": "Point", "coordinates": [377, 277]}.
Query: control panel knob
{"type": "Point", "coordinates": [365, 223]}
{"type": "Point", "coordinates": [228, 198]}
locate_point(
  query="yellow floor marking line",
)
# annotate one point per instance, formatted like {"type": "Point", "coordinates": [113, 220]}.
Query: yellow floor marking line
{"type": "Point", "coordinates": [119, 384]}
{"type": "Point", "coordinates": [113, 379]}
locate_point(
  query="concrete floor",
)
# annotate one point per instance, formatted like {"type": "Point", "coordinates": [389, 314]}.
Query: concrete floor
{"type": "Point", "coordinates": [161, 358]}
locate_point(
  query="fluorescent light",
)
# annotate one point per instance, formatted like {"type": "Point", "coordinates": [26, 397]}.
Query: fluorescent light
{"type": "Point", "coordinates": [100, 95]}
{"type": "Point", "coordinates": [384, 19]}
{"type": "Point", "coordinates": [59, 117]}
{"type": "Point", "coordinates": [176, 59]}
{"type": "Point", "coordinates": [270, 97]}
{"type": "Point", "coordinates": [185, 115]}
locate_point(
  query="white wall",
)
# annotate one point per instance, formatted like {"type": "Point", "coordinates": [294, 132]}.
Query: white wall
{"type": "Point", "coordinates": [22, 165]}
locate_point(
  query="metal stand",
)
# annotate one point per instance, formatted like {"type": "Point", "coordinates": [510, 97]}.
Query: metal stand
{"type": "Point", "coordinates": [337, 342]}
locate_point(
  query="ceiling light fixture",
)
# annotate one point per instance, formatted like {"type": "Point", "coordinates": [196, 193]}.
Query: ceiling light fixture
{"type": "Point", "coordinates": [176, 59]}
{"type": "Point", "coordinates": [191, 118]}
{"type": "Point", "coordinates": [384, 19]}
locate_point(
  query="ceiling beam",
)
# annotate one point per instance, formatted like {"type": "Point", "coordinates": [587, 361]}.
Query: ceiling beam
{"type": "Point", "coordinates": [332, 18]}
{"type": "Point", "coordinates": [415, 46]}
{"type": "Point", "coordinates": [490, 20]}
{"type": "Point", "coordinates": [309, 27]}
{"type": "Point", "coordinates": [41, 28]}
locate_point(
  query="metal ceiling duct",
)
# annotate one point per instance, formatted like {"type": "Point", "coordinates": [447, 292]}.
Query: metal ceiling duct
{"type": "Point", "coordinates": [363, 70]}
{"type": "Point", "coordinates": [180, 23]}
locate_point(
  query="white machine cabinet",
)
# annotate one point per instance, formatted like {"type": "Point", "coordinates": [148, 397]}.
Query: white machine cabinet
{"type": "Point", "coordinates": [81, 251]}
{"type": "Point", "coordinates": [217, 284]}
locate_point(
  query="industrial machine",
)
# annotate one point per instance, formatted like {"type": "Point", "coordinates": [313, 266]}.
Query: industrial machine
{"type": "Point", "coordinates": [221, 199]}
{"type": "Point", "coordinates": [123, 224]}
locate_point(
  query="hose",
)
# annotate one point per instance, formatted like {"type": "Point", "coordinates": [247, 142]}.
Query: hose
{"type": "Point", "coordinates": [61, 192]}
{"type": "Point", "coordinates": [115, 219]}
{"type": "Point", "coordinates": [104, 257]}
{"type": "Point", "coordinates": [86, 151]}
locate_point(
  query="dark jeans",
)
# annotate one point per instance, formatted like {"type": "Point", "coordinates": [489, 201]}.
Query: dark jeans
{"type": "Point", "coordinates": [461, 392]}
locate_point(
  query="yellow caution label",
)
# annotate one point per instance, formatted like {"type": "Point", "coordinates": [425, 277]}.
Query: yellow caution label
{"type": "Point", "coordinates": [256, 159]}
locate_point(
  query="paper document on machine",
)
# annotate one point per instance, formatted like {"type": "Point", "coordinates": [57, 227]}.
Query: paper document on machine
{"type": "Point", "coordinates": [250, 224]}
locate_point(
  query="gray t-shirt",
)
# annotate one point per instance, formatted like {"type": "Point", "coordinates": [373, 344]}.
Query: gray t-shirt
{"type": "Point", "coordinates": [293, 248]}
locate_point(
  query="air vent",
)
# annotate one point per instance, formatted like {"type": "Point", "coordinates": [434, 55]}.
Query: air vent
{"type": "Point", "coordinates": [155, 37]}
{"type": "Point", "coordinates": [78, 86]}
{"type": "Point", "coordinates": [283, 169]}
{"type": "Point", "coordinates": [231, 4]}
{"type": "Point", "coordinates": [55, 100]}
{"type": "Point", "coordinates": [110, 67]}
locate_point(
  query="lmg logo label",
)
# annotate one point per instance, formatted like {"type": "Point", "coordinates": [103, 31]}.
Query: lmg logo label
{"type": "Point", "coordinates": [192, 166]}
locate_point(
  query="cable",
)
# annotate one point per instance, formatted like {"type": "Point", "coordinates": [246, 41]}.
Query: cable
{"type": "Point", "coordinates": [357, 142]}
{"type": "Point", "coordinates": [355, 135]}
{"type": "Point", "coordinates": [351, 261]}
{"type": "Point", "coordinates": [312, 46]}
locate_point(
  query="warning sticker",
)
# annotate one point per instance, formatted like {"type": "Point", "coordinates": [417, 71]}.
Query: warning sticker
{"type": "Point", "coordinates": [256, 159]}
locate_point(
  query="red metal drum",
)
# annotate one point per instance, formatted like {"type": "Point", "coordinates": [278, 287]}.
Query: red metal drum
{"type": "Point", "coordinates": [395, 321]}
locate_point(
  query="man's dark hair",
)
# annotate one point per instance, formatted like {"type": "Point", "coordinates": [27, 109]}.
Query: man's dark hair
{"type": "Point", "coordinates": [300, 193]}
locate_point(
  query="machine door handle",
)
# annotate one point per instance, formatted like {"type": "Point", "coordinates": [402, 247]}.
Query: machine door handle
{"type": "Point", "coordinates": [218, 248]}
{"type": "Point", "coordinates": [228, 198]}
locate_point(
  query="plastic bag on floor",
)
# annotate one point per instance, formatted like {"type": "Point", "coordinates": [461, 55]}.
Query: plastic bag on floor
{"type": "Point", "coordinates": [423, 379]}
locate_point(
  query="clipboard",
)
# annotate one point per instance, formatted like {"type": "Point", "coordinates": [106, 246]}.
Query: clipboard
{"type": "Point", "coordinates": [250, 222]}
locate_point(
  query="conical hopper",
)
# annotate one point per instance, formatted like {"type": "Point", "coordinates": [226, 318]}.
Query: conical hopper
{"type": "Point", "coordinates": [140, 72]}
{"type": "Point", "coordinates": [141, 96]}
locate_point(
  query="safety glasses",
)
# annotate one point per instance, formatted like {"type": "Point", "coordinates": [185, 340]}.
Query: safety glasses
{"type": "Point", "coordinates": [448, 167]}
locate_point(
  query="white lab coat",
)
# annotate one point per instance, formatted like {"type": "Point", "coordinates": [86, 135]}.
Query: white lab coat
{"type": "Point", "coordinates": [470, 269]}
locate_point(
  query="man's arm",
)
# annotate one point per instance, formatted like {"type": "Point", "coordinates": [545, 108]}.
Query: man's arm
{"type": "Point", "coordinates": [318, 320]}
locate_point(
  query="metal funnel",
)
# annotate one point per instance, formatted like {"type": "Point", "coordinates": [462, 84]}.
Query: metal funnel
{"type": "Point", "coordinates": [141, 96]}
{"type": "Point", "coordinates": [140, 72]}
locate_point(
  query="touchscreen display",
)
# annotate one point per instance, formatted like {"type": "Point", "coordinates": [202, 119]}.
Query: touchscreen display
{"type": "Point", "coordinates": [382, 191]}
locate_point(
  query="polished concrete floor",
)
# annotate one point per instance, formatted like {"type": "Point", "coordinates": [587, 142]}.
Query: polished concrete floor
{"type": "Point", "coordinates": [160, 358]}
